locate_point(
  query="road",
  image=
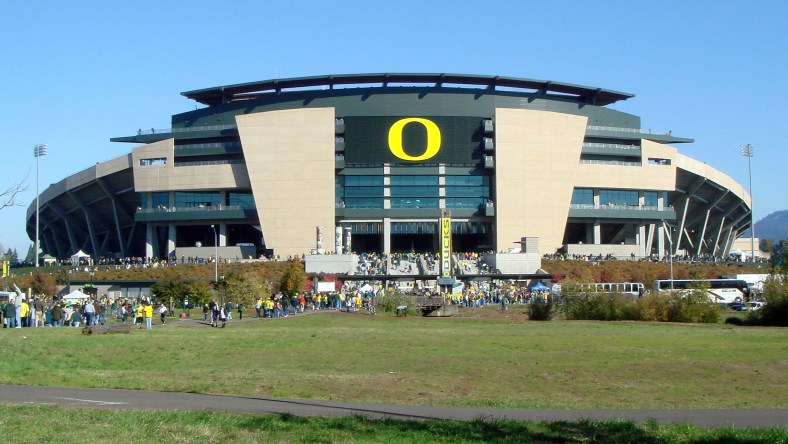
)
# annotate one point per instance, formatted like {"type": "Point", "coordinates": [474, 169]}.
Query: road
{"type": "Point", "coordinates": [143, 400]}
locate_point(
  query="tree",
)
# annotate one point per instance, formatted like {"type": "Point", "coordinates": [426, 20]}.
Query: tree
{"type": "Point", "coordinates": [43, 283]}
{"type": "Point", "coordinates": [199, 293]}
{"type": "Point", "coordinates": [244, 288]}
{"type": "Point", "coordinates": [169, 288]}
{"type": "Point", "coordinates": [292, 282]}
{"type": "Point", "coordinates": [8, 196]}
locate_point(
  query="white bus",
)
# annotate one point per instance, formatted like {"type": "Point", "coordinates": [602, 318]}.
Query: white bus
{"type": "Point", "coordinates": [626, 288]}
{"type": "Point", "coordinates": [720, 291]}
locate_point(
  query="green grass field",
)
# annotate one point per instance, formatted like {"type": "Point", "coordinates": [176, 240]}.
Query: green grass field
{"type": "Point", "coordinates": [456, 362]}
{"type": "Point", "coordinates": [21, 424]}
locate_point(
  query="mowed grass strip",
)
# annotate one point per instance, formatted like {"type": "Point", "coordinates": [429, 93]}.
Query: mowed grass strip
{"type": "Point", "coordinates": [62, 425]}
{"type": "Point", "coordinates": [456, 362]}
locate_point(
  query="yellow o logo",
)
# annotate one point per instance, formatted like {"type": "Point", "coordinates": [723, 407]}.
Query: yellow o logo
{"type": "Point", "coordinates": [433, 139]}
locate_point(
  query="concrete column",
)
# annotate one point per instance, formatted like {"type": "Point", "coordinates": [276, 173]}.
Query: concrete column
{"type": "Point", "coordinates": [149, 240]}
{"type": "Point", "coordinates": [641, 239]}
{"type": "Point", "coordinates": [222, 234]}
{"type": "Point", "coordinates": [661, 240]}
{"type": "Point", "coordinates": [597, 232]}
{"type": "Point", "coordinates": [386, 235]}
{"type": "Point", "coordinates": [171, 241]}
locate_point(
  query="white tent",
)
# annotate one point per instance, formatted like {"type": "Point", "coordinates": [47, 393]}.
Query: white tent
{"type": "Point", "coordinates": [75, 258]}
{"type": "Point", "coordinates": [75, 295]}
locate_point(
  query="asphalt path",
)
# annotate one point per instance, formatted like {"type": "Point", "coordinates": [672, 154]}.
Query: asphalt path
{"type": "Point", "coordinates": [143, 400]}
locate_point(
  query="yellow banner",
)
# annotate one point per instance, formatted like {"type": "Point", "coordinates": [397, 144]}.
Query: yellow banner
{"type": "Point", "coordinates": [446, 247]}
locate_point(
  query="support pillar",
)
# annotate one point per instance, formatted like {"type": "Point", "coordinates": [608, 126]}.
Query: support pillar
{"type": "Point", "coordinates": [387, 235]}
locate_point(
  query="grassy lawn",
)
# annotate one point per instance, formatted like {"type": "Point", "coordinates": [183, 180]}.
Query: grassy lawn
{"type": "Point", "coordinates": [457, 362]}
{"type": "Point", "coordinates": [58, 425]}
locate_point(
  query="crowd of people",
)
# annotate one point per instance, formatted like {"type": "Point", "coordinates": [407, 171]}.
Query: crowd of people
{"type": "Point", "coordinates": [22, 312]}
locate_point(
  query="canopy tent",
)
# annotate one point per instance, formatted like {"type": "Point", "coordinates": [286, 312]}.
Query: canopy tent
{"type": "Point", "coordinates": [79, 255]}
{"type": "Point", "coordinates": [539, 286]}
{"type": "Point", "coordinates": [365, 288]}
{"type": "Point", "coordinates": [75, 295]}
{"type": "Point", "coordinates": [48, 260]}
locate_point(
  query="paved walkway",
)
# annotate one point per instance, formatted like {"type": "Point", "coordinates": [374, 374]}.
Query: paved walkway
{"type": "Point", "coordinates": [140, 400]}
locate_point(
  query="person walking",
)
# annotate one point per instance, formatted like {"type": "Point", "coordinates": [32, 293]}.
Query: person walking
{"type": "Point", "coordinates": [9, 311]}
{"type": "Point", "coordinates": [57, 314]}
{"type": "Point", "coordinates": [162, 313]}
{"type": "Point", "coordinates": [240, 310]}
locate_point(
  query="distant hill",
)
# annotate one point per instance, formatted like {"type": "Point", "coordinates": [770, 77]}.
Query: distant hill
{"type": "Point", "coordinates": [773, 226]}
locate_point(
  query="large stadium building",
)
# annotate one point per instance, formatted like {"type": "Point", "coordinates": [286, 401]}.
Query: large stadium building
{"type": "Point", "coordinates": [369, 162]}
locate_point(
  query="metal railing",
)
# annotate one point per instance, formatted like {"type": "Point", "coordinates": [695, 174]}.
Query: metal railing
{"type": "Point", "coordinates": [628, 130]}
{"type": "Point", "coordinates": [210, 162]}
{"type": "Point", "coordinates": [163, 209]}
{"type": "Point", "coordinates": [196, 147]}
{"type": "Point", "coordinates": [612, 206]}
{"type": "Point", "coordinates": [142, 132]}
{"type": "Point", "coordinates": [610, 145]}
{"type": "Point", "coordinates": [610, 162]}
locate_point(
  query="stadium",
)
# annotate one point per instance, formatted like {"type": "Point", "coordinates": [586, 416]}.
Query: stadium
{"type": "Point", "coordinates": [372, 162]}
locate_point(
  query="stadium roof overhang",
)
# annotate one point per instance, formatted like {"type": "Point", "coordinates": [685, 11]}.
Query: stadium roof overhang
{"type": "Point", "coordinates": [245, 91]}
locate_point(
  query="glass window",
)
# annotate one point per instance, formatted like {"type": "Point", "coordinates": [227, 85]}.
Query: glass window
{"type": "Point", "coordinates": [465, 202]}
{"type": "Point", "coordinates": [414, 180]}
{"type": "Point", "coordinates": [363, 202]}
{"type": "Point", "coordinates": [414, 191]}
{"type": "Point", "coordinates": [243, 200]}
{"type": "Point", "coordinates": [413, 202]}
{"type": "Point", "coordinates": [188, 199]}
{"type": "Point", "coordinates": [583, 196]}
{"type": "Point", "coordinates": [651, 198]}
{"type": "Point", "coordinates": [359, 191]}
{"type": "Point", "coordinates": [160, 199]}
{"type": "Point", "coordinates": [144, 200]}
{"type": "Point", "coordinates": [618, 197]}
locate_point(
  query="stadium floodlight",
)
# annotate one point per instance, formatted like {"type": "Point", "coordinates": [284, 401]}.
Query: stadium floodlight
{"type": "Point", "coordinates": [748, 152]}
{"type": "Point", "coordinates": [39, 150]}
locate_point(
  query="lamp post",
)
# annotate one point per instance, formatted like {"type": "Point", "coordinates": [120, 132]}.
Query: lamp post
{"type": "Point", "coordinates": [39, 150]}
{"type": "Point", "coordinates": [667, 228]}
{"type": "Point", "coordinates": [747, 151]}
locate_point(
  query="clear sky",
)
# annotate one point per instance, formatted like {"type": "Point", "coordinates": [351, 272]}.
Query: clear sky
{"type": "Point", "coordinates": [77, 73]}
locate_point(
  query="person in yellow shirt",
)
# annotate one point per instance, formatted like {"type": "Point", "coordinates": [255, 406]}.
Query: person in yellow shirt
{"type": "Point", "coordinates": [147, 310]}
{"type": "Point", "coordinates": [138, 314]}
{"type": "Point", "coordinates": [24, 314]}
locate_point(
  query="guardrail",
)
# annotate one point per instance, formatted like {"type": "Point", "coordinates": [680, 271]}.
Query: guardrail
{"type": "Point", "coordinates": [610, 162]}
{"type": "Point", "coordinates": [142, 132]}
{"type": "Point", "coordinates": [618, 207]}
{"type": "Point", "coordinates": [163, 209]}
{"type": "Point", "coordinates": [628, 130]}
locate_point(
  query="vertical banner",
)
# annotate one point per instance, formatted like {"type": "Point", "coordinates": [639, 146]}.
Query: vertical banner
{"type": "Point", "coordinates": [445, 245]}
{"type": "Point", "coordinates": [319, 239]}
{"type": "Point", "coordinates": [348, 238]}
{"type": "Point", "coordinates": [338, 240]}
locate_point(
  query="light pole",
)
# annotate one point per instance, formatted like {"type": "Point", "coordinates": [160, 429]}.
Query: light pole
{"type": "Point", "coordinates": [747, 151]}
{"type": "Point", "coordinates": [216, 258]}
{"type": "Point", "coordinates": [670, 255]}
{"type": "Point", "coordinates": [39, 150]}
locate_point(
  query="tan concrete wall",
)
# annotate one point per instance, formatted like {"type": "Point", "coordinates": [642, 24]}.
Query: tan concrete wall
{"type": "Point", "coordinates": [168, 178]}
{"type": "Point", "coordinates": [537, 156]}
{"type": "Point", "coordinates": [290, 158]}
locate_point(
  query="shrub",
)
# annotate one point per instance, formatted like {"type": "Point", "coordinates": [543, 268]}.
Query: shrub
{"type": "Point", "coordinates": [540, 311]}
{"type": "Point", "coordinates": [389, 302]}
{"type": "Point", "coordinates": [775, 311]}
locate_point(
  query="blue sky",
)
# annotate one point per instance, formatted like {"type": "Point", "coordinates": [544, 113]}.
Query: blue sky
{"type": "Point", "coordinates": [77, 73]}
